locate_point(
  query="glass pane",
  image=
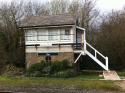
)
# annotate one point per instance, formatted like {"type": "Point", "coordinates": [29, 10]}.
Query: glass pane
{"type": "Point", "coordinates": [42, 35]}
{"type": "Point", "coordinates": [31, 36]}
{"type": "Point", "coordinates": [65, 34]}
{"type": "Point", "coordinates": [53, 34]}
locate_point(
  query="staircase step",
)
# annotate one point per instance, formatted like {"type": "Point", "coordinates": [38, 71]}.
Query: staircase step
{"type": "Point", "coordinates": [110, 75]}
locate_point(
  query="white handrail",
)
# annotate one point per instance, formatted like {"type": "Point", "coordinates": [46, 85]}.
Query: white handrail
{"type": "Point", "coordinates": [95, 56]}
{"type": "Point", "coordinates": [95, 50]}
{"type": "Point", "coordinates": [80, 28]}
{"type": "Point", "coordinates": [78, 57]}
{"type": "Point", "coordinates": [107, 63]}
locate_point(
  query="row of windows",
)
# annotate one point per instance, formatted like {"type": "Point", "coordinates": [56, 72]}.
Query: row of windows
{"type": "Point", "coordinates": [47, 35]}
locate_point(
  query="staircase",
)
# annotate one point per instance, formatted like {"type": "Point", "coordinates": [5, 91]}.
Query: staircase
{"type": "Point", "coordinates": [94, 57]}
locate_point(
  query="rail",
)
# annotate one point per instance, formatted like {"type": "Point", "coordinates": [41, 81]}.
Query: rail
{"type": "Point", "coordinates": [105, 66]}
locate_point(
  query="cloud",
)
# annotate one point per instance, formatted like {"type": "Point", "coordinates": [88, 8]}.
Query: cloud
{"type": "Point", "coordinates": [107, 5]}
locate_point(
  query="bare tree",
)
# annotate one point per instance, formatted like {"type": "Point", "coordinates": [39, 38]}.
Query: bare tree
{"type": "Point", "coordinates": [111, 39]}
{"type": "Point", "coordinates": [74, 7]}
{"type": "Point", "coordinates": [58, 6]}
{"type": "Point", "coordinates": [86, 13]}
{"type": "Point", "coordinates": [11, 14]}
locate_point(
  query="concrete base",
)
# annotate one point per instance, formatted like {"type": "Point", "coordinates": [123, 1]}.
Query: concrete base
{"type": "Point", "coordinates": [110, 75]}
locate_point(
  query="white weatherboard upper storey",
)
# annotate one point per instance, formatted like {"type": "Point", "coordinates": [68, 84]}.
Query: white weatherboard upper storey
{"type": "Point", "coordinates": [47, 37]}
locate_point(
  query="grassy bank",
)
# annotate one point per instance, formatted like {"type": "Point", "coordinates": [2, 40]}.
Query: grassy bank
{"type": "Point", "coordinates": [75, 83]}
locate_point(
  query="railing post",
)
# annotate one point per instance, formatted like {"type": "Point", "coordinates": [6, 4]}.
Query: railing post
{"type": "Point", "coordinates": [107, 66]}
{"type": "Point", "coordinates": [84, 45]}
{"type": "Point", "coordinates": [95, 54]}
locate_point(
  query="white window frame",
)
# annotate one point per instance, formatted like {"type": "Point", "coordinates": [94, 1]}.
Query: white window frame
{"type": "Point", "coordinates": [53, 34]}
{"type": "Point", "coordinates": [64, 36]}
{"type": "Point", "coordinates": [42, 35]}
{"type": "Point", "coordinates": [31, 35]}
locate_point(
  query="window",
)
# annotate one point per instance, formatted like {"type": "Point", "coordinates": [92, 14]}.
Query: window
{"type": "Point", "coordinates": [65, 34]}
{"type": "Point", "coordinates": [42, 35]}
{"type": "Point", "coordinates": [53, 34]}
{"type": "Point", "coordinates": [31, 36]}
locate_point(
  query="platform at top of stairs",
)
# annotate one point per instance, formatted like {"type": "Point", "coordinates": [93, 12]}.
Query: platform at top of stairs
{"type": "Point", "coordinates": [111, 75]}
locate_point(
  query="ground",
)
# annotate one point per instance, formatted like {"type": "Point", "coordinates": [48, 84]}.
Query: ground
{"type": "Point", "coordinates": [49, 90]}
{"type": "Point", "coordinates": [85, 83]}
{"type": "Point", "coordinates": [59, 85]}
{"type": "Point", "coordinates": [121, 84]}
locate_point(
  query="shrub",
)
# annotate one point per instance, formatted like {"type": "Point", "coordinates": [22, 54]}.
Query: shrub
{"type": "Point", "coordinates": [36, 67]}
{"type": "Point", "coordinates": [65, 74]}
{"type": "Point", "coordinates": [60, 65]}
{"type": "Point", "coordinates": [57, 68]}
{"type": "Point", "coordinates": [46, 70]}
{"type": "Point", "coordinates": [34, 74]}
{"type": "Point", "coordinates": [11, 70]}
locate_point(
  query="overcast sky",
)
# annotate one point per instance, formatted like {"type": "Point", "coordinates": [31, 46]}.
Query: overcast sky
{"type": "Point", "coordinates": [107, 5]}
{"type": "Point", "coordinates": [103, 5]}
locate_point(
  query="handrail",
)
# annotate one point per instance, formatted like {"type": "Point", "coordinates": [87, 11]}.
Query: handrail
{"type": "Point", "coordinates": [80, 28]}
{"type": "Point", "coordinates": [95, 56]}
{"type": "Point", "coordinates": [95, 50]}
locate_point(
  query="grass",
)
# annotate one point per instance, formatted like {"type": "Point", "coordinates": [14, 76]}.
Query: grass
{"type": "Point", "coordinates": [121, 73]}
{"type": "Point", "coordinates": [76, 82]}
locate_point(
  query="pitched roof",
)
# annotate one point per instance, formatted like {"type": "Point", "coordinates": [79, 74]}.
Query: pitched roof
{"type": "Point", "coordinates": [50, 20]}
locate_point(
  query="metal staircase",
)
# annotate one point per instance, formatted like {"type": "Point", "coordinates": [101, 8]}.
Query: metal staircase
{"type": "Point", "coordinates": [94, 57]}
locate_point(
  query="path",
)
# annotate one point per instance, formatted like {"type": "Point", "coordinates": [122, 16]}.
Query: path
{"type": "Point", "coordinates": [121, 84]}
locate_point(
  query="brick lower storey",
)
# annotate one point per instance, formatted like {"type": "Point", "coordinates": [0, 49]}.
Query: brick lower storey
{"type": "Point", "coordinates": [32, 58]}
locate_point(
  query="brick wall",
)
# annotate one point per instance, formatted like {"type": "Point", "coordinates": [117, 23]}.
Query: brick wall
{"type": "Point", "coordinates": [32, 58]}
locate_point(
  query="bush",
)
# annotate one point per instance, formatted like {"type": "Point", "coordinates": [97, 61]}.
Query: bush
{"type": "Point", "coordinates": [34, 74]}
{"type": "Point", "coordinates": [65, 74]}
{"type": "Point", "coordinates": [36, 67]}
{"type": "Point", "coordinates": [57, 68]}
{"type": "Point", "coordinates": [60, 66]}
{"type": "Point", "coordinates": [11, 70]}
